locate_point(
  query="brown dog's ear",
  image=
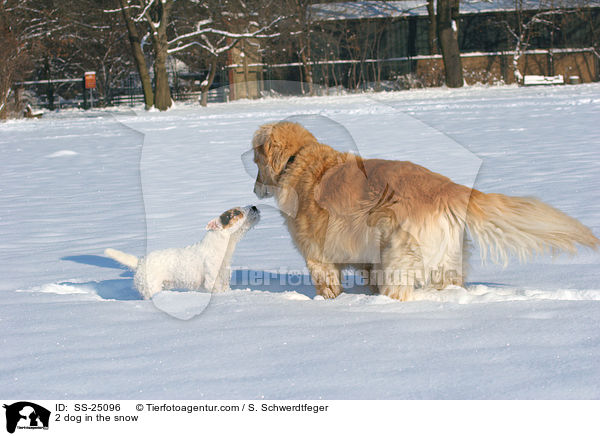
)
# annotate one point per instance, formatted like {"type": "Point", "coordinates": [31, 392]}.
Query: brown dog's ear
{"type": "Point", "coordinates": [280, 141]}
{"type": "Point", "coordinates": [266, 140]}
{"type": "Point", "coordinates": [269, 139]}
{"type": "Point", "coordinates": [277, 154]}
{"type": "Point", "coordinates": [285, 139]}
{"type": "Point", "coordinates": [261, 135]}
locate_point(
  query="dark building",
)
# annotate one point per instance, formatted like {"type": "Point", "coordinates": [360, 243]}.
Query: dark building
{"type": "Point", "coordinates": [375, 44]}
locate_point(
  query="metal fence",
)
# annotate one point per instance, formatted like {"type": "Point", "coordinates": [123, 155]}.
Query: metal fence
{"type": "Point", "coordinates": [217, 95]}
{"type": "Point", "coordinates": [69, 93]}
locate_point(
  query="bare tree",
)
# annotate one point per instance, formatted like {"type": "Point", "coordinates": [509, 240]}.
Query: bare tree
{"type": "Point", "coordinates": [138, 54]}
{"type": "Point", "coordinates": [45, 40]}
{"type": "Point", "coordinates": [110, 57]}
{"type": "Point", "coordinates": [175, 30]}
{"type": "Point", "coordinates": [432, 27]}
{"type": "Point", "coordinates": [220, 26]}
{"type": "Point", "coordinates": [29, 34]}
{"type": "Point", "coordinates": [158, 23]}
{"type": "Point", "coordinates": [95, 43]}
{"type": "Point", "coordinates": [527, 26]}
{"type": "Point", "coordinates": [447, 29]}
{"type": "Point", "coordinates": [155, 15]}
{"type": "Point", "coordinates": [298, 33]}
{"type": "Point", "coordinates": [11, 54]}
{"type": "Point", "coordinates": [303, 20]}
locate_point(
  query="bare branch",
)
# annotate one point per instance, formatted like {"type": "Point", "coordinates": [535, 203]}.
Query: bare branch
{"type": "Point", "coordinates": [144, 13]}
{"type": "Point", "coordinates": [202, 32]}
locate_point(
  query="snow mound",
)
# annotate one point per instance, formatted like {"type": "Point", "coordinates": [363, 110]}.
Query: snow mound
{"type": "Point", "coordinates": [185, 305]}
{"type": "Point", "coordinates": [62, 153]}
{"type": "Point", "coordinates": [63, 289]}
{"type": "Point", "coordinates": [486, 294]}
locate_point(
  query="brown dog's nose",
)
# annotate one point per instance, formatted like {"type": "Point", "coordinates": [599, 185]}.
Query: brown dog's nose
{"type": "Point", "coordinates": [261, 190]}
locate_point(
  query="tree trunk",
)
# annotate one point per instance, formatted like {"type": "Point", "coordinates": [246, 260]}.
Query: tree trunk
{"type": "Point", "coordinates": [138, 57]}
{"type": "Point", "coordinates": [447, 16]}
{"type": "Point", "coordinates": [245, 68]}
{"type": "Point", "coordinates": [307, 67]}
{"type": "Point", "coordinates": [50, 85]}
{"type": "Point", "coordinates": [304, 41]}
{"type": "Point", "coordinates": [3, 100]}
{"type": "Point", "coordinates": [306, 60]}
{"type": "Point", "coordinates": [432, 29]}
{"type": "Point", "coordinates": [207, 82]}
{"type": "Point", "coordinates": [515, 63]}
{"type": "Point", "coordinates": [162, 92]}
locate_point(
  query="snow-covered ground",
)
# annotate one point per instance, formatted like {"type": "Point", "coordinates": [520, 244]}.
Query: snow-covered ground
{"type": "Point", "coordinates": [75, 183]}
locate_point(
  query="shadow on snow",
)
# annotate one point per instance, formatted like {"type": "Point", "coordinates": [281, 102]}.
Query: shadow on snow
{"type": "Point", "coordinates": [254, 280]}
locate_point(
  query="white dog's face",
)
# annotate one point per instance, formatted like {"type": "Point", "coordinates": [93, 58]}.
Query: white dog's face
{"type": "Point", "coordinates": [236, 220]}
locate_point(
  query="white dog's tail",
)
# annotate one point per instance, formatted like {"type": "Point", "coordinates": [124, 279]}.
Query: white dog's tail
{"type": "Point", "coordinates": [523, 227]}
{"type": "Point", "coordinates": [129, 260]}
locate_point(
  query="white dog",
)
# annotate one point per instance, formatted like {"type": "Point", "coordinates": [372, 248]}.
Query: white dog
{"type": "Point", "coordinates": [201, 266]}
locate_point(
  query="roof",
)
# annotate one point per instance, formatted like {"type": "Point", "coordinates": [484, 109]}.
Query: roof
{"type": "Point", "coordinates": [406, 8]}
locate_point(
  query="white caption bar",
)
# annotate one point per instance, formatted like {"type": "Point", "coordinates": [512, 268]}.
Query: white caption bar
{"type": "Point", "coordinates": [304, 417]}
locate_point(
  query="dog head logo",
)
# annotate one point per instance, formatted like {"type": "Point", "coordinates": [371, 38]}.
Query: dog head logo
{"type": "Point", "coordinates": [26, 415]}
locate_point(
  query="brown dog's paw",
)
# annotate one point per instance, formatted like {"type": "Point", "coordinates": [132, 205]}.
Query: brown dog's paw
{"type": "Point", "coordinates": [327, 293]}
{"type": "Point", "coordinates": [398, 292]}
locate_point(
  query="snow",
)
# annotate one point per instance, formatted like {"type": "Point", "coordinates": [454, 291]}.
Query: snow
{"type": "Point", "coordinates": [62, 153]}
{"type": "Point", "coordinates": [75, 183]}
{"type": "Point", "coordinates": [353, 10]}
{"type": "Point", "coordinates": [543, 80]}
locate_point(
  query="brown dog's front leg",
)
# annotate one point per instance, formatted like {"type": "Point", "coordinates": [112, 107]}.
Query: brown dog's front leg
{"type": "Point", "coordinates": [326, 278]}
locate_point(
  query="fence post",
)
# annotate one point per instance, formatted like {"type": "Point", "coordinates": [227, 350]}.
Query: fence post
{"type": "Point", "coordinates": [85, 103]}
{"type": "Point", "coordinates": [551, 62]}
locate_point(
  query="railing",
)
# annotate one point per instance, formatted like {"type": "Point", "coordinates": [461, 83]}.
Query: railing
{"type": "Point", "coordinates": [217, 95]}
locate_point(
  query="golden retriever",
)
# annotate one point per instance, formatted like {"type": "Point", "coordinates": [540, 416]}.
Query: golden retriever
{"type": "Point", "coordinates": [397, 223]}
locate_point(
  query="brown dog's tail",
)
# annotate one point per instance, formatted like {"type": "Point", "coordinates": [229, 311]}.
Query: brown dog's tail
{"type": "Point", "coordinates": [523, 227]}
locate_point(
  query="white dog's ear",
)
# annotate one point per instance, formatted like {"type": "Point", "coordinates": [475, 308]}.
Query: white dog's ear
{"type": "Point", "coordinates": [214, 224]}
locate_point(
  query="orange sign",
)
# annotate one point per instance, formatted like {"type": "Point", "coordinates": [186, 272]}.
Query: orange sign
{"type": "Point", "coordinates": [90, 79]}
